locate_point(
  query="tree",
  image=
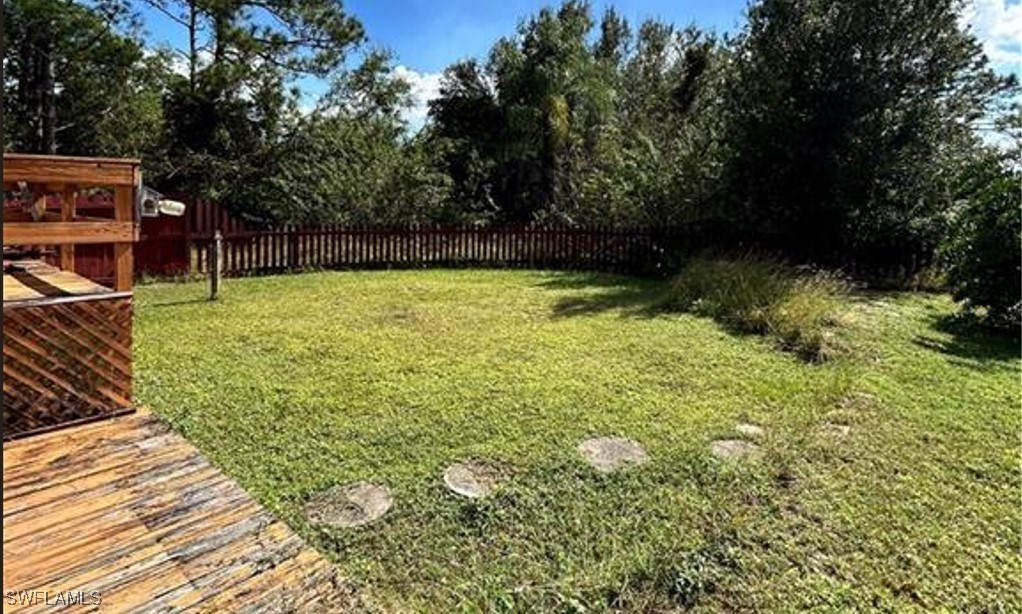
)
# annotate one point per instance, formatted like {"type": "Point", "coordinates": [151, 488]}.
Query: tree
{"type": "Point", "coordinates": [349, 160]}
{"type": "Point", "coordinates": [565, 126]}
{"type": "Point", "coordinates": [74, 85]}
{"type": "Point", "coordinates": [234, 106]}
{"type": "Point", "coordinates": [984, 246]}
{"type": "Point", "coordinates": [356, 170]}
{"type": "Point", "coordinates": [845, 123]}
{"type": "Point", "coordinates": [516, 129]}
{"type": "Point", "coordinates": [657, 160]}
{"type": "Point", "coordinates": [468, 124]}
{"type": "Point", "coordinates": [550, 90]}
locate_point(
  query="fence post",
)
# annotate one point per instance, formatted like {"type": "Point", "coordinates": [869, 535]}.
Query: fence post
{"type": "Point", "coordinates": [189, 212]}
{"type": "Point", "coordinates": [215, 268]}
{"type": "Point", "coordinates": [291, 233]}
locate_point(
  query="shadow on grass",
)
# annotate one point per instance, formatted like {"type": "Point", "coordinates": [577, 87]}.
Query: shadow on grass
{"type": "Point", "coordinates": [650, 298]}
{"type": "Point", "coordinates": [972, 344]}
{"type": "Point", "coordinates": [632, 297]}
{"type": "Point", "coordinates": [603, 292]}
{"type": "Point", "coordinates": [180, 303]}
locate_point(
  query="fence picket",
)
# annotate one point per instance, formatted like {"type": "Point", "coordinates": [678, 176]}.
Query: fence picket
{"type": "Point", "coordinates": [335, 246]}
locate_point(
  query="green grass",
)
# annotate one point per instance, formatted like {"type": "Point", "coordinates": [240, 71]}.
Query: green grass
{"type": "Point", "coordinates": [759, 295]}
{"type": "Point", "coordinates": [295, 384]}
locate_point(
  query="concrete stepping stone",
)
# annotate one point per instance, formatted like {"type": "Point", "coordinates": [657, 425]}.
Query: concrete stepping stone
{"type": "Point", "coordinates": [608, 454]}
{"type": "Point", "coordinates": [473, 479]}
{"type": "Point", "coordinates": [750, 430]}
{"type": "Point", "coordinates": [351, 505]}
{"type": "Point", "coordinates": [730, 449]}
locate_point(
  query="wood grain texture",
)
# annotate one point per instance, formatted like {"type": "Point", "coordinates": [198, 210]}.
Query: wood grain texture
{"type": "Point", "coordinates": [34, 279]}
{"type": "Point", "coordinates": [70, 233]}
{"type": "Point", "coordinates": [68, 201]}
{"type": "Point", "coordinates": [62, 169]}
{"type": "Point", "coordinates": [128, 508]}
{"type": "Point", "coordinates": [46, 176]}
{"type": "Point", "coordinates": [124, 210]}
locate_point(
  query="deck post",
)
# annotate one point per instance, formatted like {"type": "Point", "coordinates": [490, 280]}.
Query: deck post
{"type": "Point", "coordinates": [68, 202]}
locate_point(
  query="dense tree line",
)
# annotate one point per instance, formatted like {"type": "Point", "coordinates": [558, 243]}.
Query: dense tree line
{"type": "Point", "coordinates": [843, 133]}
{"type": "Point", "coordinates": [62, 62]}
{"type": "Point", "coordinates": [578, 123]}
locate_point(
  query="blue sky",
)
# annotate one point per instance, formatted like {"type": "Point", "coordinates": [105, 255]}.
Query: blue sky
{"type": "Point", "coordinates": [428, 35]}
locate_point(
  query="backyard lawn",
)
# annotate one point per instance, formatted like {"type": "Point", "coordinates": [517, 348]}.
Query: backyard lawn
{"type": "Point", "coordinates": [296, 384]}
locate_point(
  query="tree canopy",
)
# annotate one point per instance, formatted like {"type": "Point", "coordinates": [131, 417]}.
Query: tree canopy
{"type": "Point", "coordinates": [848, 122]}
{"type": "Point", "coordinates": [835, 133]}
{"type": "Point", "coordinates": [61, 64]}
{"type": "Point", "coordinates": [576, 122]}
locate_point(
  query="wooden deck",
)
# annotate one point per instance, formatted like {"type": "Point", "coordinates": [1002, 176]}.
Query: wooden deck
{"type": "Point", "coordinates": [127, 508]}
{"type": "Point", "coordinates": [33, 280]}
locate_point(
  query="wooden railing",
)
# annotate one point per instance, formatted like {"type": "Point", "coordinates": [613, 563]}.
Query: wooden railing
{"type": "Point", "coordinates": [626, 250]}
{"type": "Point", "coordinates": [63, 177]}
{"type": "Point", "coordinates": [67, 340]}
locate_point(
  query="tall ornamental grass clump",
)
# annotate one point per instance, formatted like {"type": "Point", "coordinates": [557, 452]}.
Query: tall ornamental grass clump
{"type": "Point", "coordinates": [800, 308]}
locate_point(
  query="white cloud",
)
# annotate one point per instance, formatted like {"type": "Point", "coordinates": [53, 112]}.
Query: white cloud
{"type": "Point", "coordinates": [178, 60]}
{"type": "Point", "coordinates": [998, 25]}
{"type": "Point", "coordinates": [425, 86]}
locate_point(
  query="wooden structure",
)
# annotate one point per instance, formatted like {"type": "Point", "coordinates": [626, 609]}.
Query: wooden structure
{"type": "Point", "coordinates": [126, 511]}
{"type": "Point", "coordinates": [67, 349]}
{"type": "Point", "coordinates": [161, 249]}
{"type": "Point", "coordinates": [119, 514]}
{"type": "Point", "coordinates": [289, 249]}
{"type": "Point", "coordinates": [66, 176]}
{"type": "Point", "coordinates": [67, 341]}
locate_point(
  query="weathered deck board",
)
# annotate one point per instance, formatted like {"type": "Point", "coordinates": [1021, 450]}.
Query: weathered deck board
{"type": "Point", "coordinates": [33, 280]}
{"type": "Point", "coordinates": [130, 509]}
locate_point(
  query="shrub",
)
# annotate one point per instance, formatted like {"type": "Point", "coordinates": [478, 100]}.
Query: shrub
{"type": "Point", "coordinates": [983, 251]}
{"type": "Point", "coordinates": [800, 308]}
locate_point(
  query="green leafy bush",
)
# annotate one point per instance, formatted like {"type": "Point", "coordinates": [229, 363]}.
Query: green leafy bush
{"type": "Point", "coordinates": [986, 242]}
{"type": "Point", "coordinates": [765, 296]}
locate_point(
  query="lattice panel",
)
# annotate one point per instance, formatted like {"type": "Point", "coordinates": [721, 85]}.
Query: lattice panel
{"type": "Point", "coordinates": [64, 362]}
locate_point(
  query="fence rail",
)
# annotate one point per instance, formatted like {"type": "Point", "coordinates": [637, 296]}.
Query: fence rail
{"type": "Point", "coordinates": [633, 251]}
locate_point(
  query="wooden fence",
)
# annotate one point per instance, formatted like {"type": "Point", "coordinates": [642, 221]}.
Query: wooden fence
{"type": "Point", "coordinates": [178, 246]}
{"type": "Point", "coordinates": [633, 251]}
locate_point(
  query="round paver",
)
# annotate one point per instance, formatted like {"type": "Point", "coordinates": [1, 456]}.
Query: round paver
{"type": "Point", "coordinates": [733, 448]}
{"type": "Point", "coordinates": [607, 454]}
{"type": "Point", "coordinates": [750, 430]}
{"type": "Point", "coordinates": [473, 479]}
{"type": "Point", "coordinates": [351, 505]}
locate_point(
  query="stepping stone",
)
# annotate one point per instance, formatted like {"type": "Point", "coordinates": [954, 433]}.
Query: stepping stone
{"type": "Point", "coordinates": [607, 454]}
{"type": "Point", "coordinates": [351, 505]}
{"type": "Point", "coordinates": [733, 448]}
{"type": "Point", "coordinates": [839, 431]}
{"type": "Point", "coordinates": [750, 430]}
{"type": "Point", "coordinates": [473, 479]}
